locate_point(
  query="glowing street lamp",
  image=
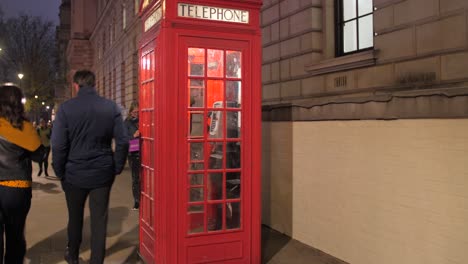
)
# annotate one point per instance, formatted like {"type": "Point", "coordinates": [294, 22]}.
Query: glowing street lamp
{"type": "Point", "coordinates": [20, 76]}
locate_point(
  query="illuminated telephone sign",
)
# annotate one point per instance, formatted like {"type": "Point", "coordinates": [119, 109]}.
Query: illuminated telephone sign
{"type": "Point", "coordinates": [213, 13]}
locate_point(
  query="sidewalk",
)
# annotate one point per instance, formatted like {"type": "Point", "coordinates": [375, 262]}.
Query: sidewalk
{"type": "Point", "coordinates": [47, 220]}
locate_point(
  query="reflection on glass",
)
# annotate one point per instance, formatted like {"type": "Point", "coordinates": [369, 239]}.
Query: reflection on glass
{"type": "Point", "coordinates": [233, 94]}
{"type": "Point", "coordinates": [196, 194]}
{"type": "Point", "coordinates": [215, 217]}
{"type": "Point", "coordinates": [350, 36]}
{"type": "Point", "coordinates": [196, 62]}
{"type": "Point", "coordinates": [233, 215]}
{"type": "Point", "coordinates": [195, 124]}
{"type": "Point", "coordinates": [196, 217]}
{"type": "Point", "coordinates": [215, 186]}
{"type": "Point", "coordinates": [196, 93]}
{"type": "Point", "coordinates": [216, 124]}
{"type": "Point", "coordinates": [233, 185]}
{"type": "Point", "coordinates": [196, 179]}
{"type": "Point", "coordinates": [194, 166]}
{"type": "Point", "coordinates": [364, 6]}
{"type": "Point", "coordinates": [233, 155]}
{"type": "Point", "coordinates": [215, 63]}
{"type": "Point", "coordinates": [349, 9]}
{"type": "Point", "coordinates": [233, 64]}
{"type": "Point", "coordinates": [233, 124]}
{"type": "Point", "coordinates": [216, 155]}
{"type": "Point", "coordinates": [366, 32]}
{"type": "Point", "coordinates": [196, 151]}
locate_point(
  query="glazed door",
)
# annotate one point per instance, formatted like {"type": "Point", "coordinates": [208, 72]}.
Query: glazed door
{"type": "Point", "coordinates": [149, 171]}
{"type": "Point", "coordinates": [215, 184]}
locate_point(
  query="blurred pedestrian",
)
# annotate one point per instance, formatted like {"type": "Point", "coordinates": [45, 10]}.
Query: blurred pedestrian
{"type": "Point", "coordinates": [134, 151]}
{"type": "Point", "coordinates": [44, 132]}
{"type": "Point", "coordinates": [19, 143]}
{"type": "Point", "coordinates": [83, 159]}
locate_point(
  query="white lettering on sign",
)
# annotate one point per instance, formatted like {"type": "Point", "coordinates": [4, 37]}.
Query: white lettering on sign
{"type": "Point", "coordinates": [213, 13]}
{"type": "Point", "coordinates": [153, 19]}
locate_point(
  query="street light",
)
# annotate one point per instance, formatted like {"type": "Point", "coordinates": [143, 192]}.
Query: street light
{"type": "Point", "coordinates": [20, 76]}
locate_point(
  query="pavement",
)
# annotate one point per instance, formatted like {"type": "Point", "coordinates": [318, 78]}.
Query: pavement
{"type": "Point", "coordinates": [47, 220]}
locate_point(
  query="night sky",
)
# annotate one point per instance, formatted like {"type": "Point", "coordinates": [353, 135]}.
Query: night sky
{"type": "Point", "coordinates": [47, 9]}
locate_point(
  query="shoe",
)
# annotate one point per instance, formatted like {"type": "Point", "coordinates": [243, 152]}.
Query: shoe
{"type": "Point", "coordinates": [46, 173]}
{"type": "Point", "coordinates": [39, 173]}
{"type": "Point", "coordinates": [68, 258]}
{"type": "Point", "coordinates": [136, 206]}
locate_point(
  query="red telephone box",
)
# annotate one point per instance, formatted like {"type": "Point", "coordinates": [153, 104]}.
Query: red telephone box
{"type": "Point", "coordinates": [200, 103]}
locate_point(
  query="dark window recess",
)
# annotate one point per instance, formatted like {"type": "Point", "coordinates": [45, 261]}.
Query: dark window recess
{"type": "Point", "coordinates": [354, 26]}
{"type": "Point", "coordinates": [340, 81]}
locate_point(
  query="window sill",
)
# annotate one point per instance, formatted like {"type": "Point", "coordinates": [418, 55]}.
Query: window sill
{"type": "Point", "coordinates": [357, 60]}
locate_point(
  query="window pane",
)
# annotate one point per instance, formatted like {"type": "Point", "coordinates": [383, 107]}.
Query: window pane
{"type": "Point", "coordinates": [195, 124]}
{"type": "Point", "coordinates": [196, 151]}
{"type": "Point", "coordinates": [366, 32]}
{"type": "Point", "coordinates": [349, 9]}
{"type": "Point", "coordinates": [196, 179]}
{"type": "Point", "coordinates": [364, 7]}
{"type": "Point", "coordinates": [233, 185]}
{"type": "Point", "coordinates": [196, 194]}
{"type": "Point", "coordinates": [215, 216]}
{"type": "Point", "coordinates": [233, 64]}
{"type": "Point", "coordinates": [233, 155]}
{"type": "Point", "coordinates": [349, 37]}
{"type": "Point", "coordinates": [196, 93]}
{"type": "Point", "coordinates": [216, 124]}
{"type": "Point", "coordinates": [196, 62]}
{"type": "Point", "coordinates": [215, 63]}
{"type": "Point", "coordinates": [233, 94]}
{"type": "Point", "coordinates": [233, 124]}
{"type": "Point", "coordinates": [216, 155]}
{"type": "Point", "coordinates": [233, 215]}
{"type": "Point", "coordinates": [196, 217]}
{"type": "Point", "coordinates": [215, 186]}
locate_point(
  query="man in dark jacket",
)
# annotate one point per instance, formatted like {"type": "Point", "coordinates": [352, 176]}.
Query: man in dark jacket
{"type": "Point", "coordinates": [83, 159]}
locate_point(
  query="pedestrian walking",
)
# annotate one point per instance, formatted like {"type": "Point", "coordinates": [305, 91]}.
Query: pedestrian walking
{"type": "Point", "coordinates": [19, 144]}
{"type": "Point", "coordinates": [44, 131]}
{"type": "Point", "coordinates": [85, 162]}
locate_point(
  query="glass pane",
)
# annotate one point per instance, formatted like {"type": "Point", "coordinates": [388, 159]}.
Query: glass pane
{"type": "Point", "coordinates": [233, 94]}
{"type": "Point", "coordinates": [196, 179]}
{"type": "Point", "coordinates": [194, 166]}
{"type": "Point", "coordinates": [233, 185]}
{"type": "Point", "coordinates": [349, 9]}
{"type": "Point", "coordinates": [233, 124]}
{"type": "Point", "coordinates": [215, 216]}
{"type": "Point", "coordinates": [233, 156]}
{"type": "Point", "coordinates": [233, 215]}
{"type": "Point", "coordinates": [195, 124]}
{"type": "Point", "coordinates": [196, 194]}
{"type": "Point", "coordinates": [366, 32]}
{"type": "Point", "coordinates": [196, 62]}
{"type": "Point", "coordinates": [216, 155]}
{"type": "Point", "coordinates": [196, 93]}
{"type": "Point", "coordinates": [215, 93]}
{"type": "Point", "coordinates": [196, 217]}
{"type": "Point", "coordinates": [349, 37]}
{"type": "Point", "coordinates": [196, 151]}
{"type": "Point", "coordinates": [233, 64]}
{"type": "Point", "coordinates": [364, 7]}
{"type": "Point", "coordinates": [215, 63]}
{"type": "Point", "coordinates": [215, 186]}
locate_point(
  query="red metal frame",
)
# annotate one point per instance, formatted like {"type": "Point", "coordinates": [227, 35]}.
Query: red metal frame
{"type": "Point", "coordinates": [167, 115]}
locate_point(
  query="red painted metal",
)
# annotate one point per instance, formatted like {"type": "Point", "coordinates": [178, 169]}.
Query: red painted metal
{"type": "Point", "coordinates": [200, 103]}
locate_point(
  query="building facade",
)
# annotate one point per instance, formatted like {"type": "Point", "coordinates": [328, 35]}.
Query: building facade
{"type": "Point", "coordinates": [364, 127]}
{"type": "Point", "coordinates": [365, 107]}
{"type": "Point", "coordinates": [104, 38]}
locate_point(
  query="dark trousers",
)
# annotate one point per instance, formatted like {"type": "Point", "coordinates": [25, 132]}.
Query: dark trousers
{"type": "Point", "coordinates": [135, 164]}
{"type": "Point", "coordinates": [14, 207]}
{"type": "Point", "coordinates": [45, 160]}
{"type": "Point", "coordinates": [99, 207]}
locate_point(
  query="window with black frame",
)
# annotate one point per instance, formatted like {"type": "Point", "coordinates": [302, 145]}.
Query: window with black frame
{"type": "Point", "coordinates": [354, 26]}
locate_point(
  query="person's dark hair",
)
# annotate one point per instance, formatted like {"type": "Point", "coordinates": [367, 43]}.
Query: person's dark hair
{"type": "Point", "coordinates": [84, 78]}
{"type": "Point", "coordinates": [11, 107]}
